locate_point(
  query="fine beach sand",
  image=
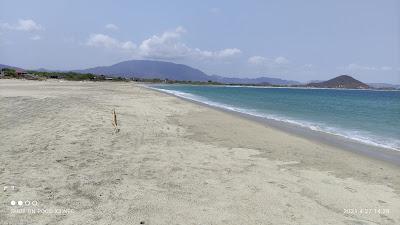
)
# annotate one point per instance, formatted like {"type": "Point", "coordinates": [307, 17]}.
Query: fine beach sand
{"type": "Point", "coordinates": [173, 162]}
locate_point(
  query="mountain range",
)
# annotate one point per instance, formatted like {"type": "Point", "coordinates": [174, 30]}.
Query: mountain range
{"type": "Point", "coordinates": [149, 69]}
{"type": "Point", "coordinates": [166, 70]}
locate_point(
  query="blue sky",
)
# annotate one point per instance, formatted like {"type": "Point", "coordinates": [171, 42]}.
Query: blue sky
{"type": "Point", "coordinates": [298, 40]}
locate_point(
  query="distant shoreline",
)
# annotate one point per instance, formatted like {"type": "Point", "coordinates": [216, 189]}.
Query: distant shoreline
{"type": "Point", "coordinates": [291, 87]}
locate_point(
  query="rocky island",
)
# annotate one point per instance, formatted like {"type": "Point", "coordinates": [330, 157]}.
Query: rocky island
{"type": "Point", "coordinates": [343, 81]}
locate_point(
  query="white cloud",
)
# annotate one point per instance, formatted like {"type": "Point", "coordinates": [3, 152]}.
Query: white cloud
{"type": "Point", "coordinates": [111, 26]}
{"type": "Point", "coordinates": [228, 52]}
{"type": "Point", "coordinates": [165, 46]}
{"type": "Point", "coordinates": [168, 45]}
{"type": "Point", "coordinates": [256, 60]}
{"type": "Point", "coordinates": [23, 25]}
{"type": "Point", "coordinates": [281, 60]}
{"type": "Point", "coordinates": [35, 37]}
{"type": "Point", "coordinates": [269, 62]}
{"type": "Point", "coordinates": [105, 41]}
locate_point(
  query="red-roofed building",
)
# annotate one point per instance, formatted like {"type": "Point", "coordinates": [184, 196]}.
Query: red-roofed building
{"type": "Point", "coordinates": [20, 72]}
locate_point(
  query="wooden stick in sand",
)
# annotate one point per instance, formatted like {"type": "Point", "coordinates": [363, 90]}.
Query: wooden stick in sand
{"type": "Point", "coordinates": [114, 121]}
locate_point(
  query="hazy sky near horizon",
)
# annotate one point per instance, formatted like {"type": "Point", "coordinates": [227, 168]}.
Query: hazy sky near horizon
{"type": "Point", "coordinates": [297, 40]}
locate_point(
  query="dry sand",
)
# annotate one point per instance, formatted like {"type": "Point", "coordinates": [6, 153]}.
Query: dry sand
{"type": "Point", "coordinates": [173, 162]}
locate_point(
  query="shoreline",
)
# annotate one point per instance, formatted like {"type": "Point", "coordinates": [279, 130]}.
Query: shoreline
{"type": "Point", "coordinates": [333, 140]}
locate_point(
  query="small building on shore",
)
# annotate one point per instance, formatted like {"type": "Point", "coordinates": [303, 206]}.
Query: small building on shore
{"type": "Point", "coordinates": [20, 72]}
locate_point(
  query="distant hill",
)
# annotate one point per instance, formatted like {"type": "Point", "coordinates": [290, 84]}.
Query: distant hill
{"type": "Point", "coordinates": [343, 81]}
{"type": "Point", "coordinates": [258, 80]}
{"type": "Point", "coordinates": [166, 70]}
{"type": "Point", "coordinates": [150, 69]}
{"type": "Point", "coordinates": [7, 66]}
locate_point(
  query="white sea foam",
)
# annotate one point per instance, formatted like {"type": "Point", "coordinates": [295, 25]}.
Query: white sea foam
{"type": "Point", "coordinates": [352, 135]}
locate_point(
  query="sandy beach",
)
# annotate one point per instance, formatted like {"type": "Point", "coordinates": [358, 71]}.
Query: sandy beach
{"type": "Point", "coordinates": [172, 162]}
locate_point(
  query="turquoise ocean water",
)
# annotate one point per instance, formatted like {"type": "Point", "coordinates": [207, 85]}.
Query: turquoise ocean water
{"type": "Point", "coordinates": [371, 117]}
